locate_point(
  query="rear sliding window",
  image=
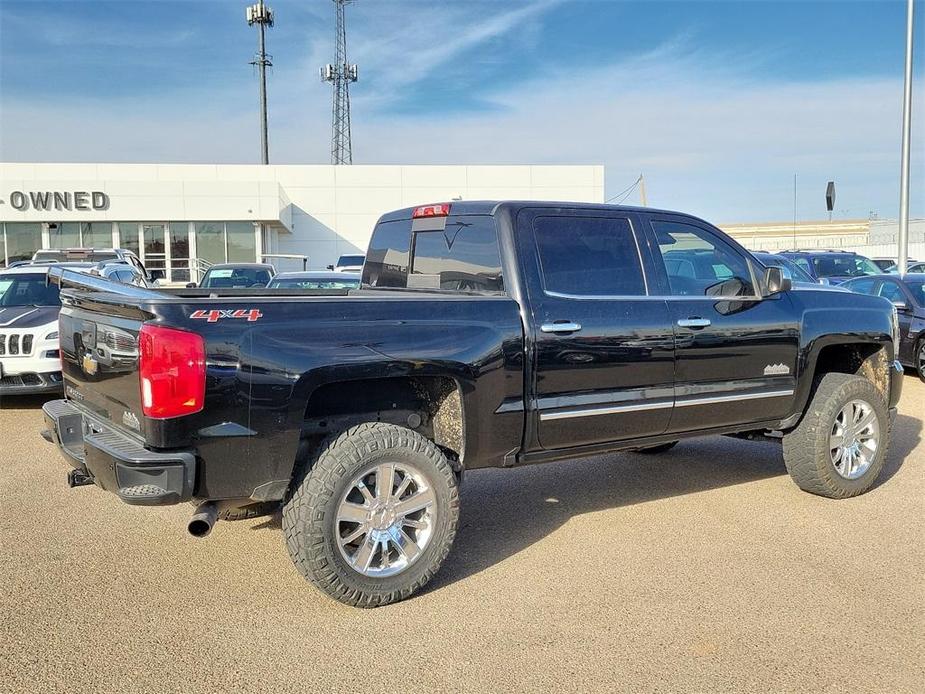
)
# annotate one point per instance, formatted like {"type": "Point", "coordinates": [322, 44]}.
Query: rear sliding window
{"type": "Point", "coordinates": [461, 256]}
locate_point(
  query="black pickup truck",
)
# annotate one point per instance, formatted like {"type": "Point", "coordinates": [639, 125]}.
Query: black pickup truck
{"type": "Point", "coordinates": [484, 334]}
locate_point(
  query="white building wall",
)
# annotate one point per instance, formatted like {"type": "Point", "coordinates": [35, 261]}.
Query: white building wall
{"type": "Point", "coordinates": [318, 210]}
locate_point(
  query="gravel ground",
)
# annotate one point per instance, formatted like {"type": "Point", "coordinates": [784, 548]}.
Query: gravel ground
{"type": "Point", "coordinates": [701, 570]}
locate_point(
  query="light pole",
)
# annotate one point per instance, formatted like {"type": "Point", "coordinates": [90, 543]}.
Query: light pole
{"type": "Point", "coordinates": [903, 238]}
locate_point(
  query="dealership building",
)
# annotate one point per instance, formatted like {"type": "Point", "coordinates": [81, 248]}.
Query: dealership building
{"type": "Point", "coordinates": [182, 218]}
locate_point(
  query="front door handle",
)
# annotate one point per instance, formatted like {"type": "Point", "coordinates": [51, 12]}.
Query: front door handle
{"type": "Point", "coordinates": [560, 327]}
{"type": "Point", "coordinates": [694, 322]}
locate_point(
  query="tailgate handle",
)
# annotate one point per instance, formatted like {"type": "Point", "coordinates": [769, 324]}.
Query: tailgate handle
{"type": "Point", "coordinates": [560, 327]}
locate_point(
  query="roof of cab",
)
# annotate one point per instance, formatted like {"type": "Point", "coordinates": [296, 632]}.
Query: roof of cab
{"type": "Point", "coordinates": [44, 268]}
{"type": "Point", "coordinates": [487, 207]}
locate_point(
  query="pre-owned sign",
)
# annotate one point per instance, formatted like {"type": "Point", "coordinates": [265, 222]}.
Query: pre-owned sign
{"type": "Point", "coordinates": [80, 200]}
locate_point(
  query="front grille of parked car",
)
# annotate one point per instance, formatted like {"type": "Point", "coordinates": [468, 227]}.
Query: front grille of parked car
{"type": "Point", "coordinates": [15, 345]}
{"type": "Point", "coordinates": [22, 380]}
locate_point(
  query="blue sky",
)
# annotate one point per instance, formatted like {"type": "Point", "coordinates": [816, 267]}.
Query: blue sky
{"type": "Point", "coordinates": [718, 103]}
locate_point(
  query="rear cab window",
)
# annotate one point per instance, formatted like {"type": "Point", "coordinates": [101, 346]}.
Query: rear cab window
{"type": "Point", "coordinates": [454, 253]}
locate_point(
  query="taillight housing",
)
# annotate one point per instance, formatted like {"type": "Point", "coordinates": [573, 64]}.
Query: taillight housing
{"type": "Point", "coordinates": [172, 367]}
{"type": "Point", "coordinates": [440, 210]}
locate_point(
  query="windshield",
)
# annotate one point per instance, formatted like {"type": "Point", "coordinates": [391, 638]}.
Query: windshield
{"type": "Point", "coordinates": [27, 290]}
{"type": "Point", "coordinates": [844, 266]}
{"type": "Point", "coordinates": [228, 277]}
{"type": "Point", "coordinates": [345, 260]}
{"type": "Point", "coordinates": [308, 283]}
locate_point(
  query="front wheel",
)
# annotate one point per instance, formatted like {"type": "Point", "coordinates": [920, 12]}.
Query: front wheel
{"type": "Point", "coordinates": [373, 516]}
{"type": "Point", "coordinates": [840, 446]}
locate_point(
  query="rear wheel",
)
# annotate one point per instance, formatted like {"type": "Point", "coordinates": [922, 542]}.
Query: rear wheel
{"type": "Point", "coordinates": [374, 515]}
{"type": "Point", "coordinates": [839, 447]}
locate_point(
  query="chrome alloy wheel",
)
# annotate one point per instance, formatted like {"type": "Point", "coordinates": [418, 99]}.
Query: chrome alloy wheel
{"type": "Point", "coordinates": [385, 520]}
{"type": "Point", "coordinates": [854, 439]}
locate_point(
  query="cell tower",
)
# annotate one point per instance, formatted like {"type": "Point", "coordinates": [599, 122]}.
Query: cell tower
{"type": "Point", "coordinates": [341, 74]}
{"type": "Point", "coordinates": [262, 16]}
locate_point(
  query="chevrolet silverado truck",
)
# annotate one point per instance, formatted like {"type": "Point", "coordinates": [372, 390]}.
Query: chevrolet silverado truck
{"type": "Point", "coordinates": [484, 334]}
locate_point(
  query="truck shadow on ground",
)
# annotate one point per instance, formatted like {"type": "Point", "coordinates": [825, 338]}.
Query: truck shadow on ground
{"type": "Point", "coordinates": [507, 511]}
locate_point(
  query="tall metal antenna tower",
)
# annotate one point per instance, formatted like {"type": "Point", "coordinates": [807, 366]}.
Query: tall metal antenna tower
{"type": "Point", "coordinates": [262, 16]}
{"type": "Point", "coordinates": [341, 74]}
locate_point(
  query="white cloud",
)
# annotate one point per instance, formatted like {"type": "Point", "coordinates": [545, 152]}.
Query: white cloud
{"type": "Point", "coordinates": [709, 138]}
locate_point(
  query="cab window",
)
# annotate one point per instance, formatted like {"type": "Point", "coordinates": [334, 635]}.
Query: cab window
{"type": "Point", "coordinates": [699, 263]}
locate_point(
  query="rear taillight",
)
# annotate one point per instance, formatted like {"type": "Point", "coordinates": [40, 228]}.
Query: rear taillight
{"type": "Point", "coordinates": [441, 210]}
{"type": "Point", "coordinates": [172, 367]}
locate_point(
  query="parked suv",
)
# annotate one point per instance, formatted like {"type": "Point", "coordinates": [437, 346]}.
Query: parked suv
{"type": "Point", "coordinates": [833, 267]}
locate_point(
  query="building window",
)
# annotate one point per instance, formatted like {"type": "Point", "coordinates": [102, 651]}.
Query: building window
{"type": "Point", "coordinates": [210, 241]}
{"type": "Point", "coordinates": [22, 240]}
{"type": "Point", "coordinates": [242, 242]}
{"type": "Point", "coordinates": [64, 235]}
{"type": "Point", "coordinates": [96, 235]}
{"type": "Point", "coordinates": [128, 236]}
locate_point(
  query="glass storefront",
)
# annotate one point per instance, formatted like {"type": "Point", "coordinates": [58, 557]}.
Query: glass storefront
{"type": "Point", "coordinates": [210, 241]}
{"type": "Point", "coordinates": [22, 240]}
{"type": "Point", "coordinates": [170, 250]}
{"type": "Point", "coordinates": [242, 242]}
{"type": "Point", "coordinates": [64, 235]}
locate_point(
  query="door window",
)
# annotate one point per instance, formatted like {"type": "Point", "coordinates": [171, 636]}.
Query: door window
{"type": "Point", "coordinates": [862, 286]}
{"type": "Point", "coordinates": [891, 291]}
{"type": "Point", "coordinates": [589, 256]}
{"type": "Point", "coordinates": [698, 263]}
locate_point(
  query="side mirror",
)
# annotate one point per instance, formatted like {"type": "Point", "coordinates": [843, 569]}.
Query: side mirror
{"type": "Point", "coordinates": [777, 280]}
{"type": "Point", "coordinates": [190, 285]}
{"type": "Point", "coordinates": [901, 306]}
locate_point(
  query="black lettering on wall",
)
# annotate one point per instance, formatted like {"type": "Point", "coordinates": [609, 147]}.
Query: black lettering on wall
{"type": "Point", "coordinates": [62, 201]}
{"type": "Point", "coordinates": [81, 200]}
{"type": "Point", "coordinates": [19, 200]}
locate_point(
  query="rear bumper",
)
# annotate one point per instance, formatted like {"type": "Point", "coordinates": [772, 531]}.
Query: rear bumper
{"type": "Point", "coordinates": [117, 463]}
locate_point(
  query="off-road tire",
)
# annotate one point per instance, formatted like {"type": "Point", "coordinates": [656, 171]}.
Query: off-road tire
{"type": "Point", "coordinates": [660, 448]}
{"type": "Point", "coordinates": [261, 508]}
{"type": "Point", "coordinates": [806, 447]}
{"type": "Point", "coordinates": [310, 512]}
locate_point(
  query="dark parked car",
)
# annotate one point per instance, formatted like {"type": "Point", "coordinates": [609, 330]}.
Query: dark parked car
{"type": "Point", "coordinates": [908, 296]}
{"type": "Point", "coordinates": [832, 266]}
{"type": "Point", "coordinates": [484, 334]}
{"type": "Point", "coordinates": [777, 260]}
{"type": "Point", "coordinates": [236, 275]}
{"type": "Point", "coordinates": [319, 279]}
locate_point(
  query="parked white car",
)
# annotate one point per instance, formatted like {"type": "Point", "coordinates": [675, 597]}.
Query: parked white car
{"type": "Point", "coordinates": [29, 359]}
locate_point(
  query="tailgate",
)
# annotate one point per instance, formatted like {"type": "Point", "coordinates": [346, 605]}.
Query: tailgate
{"type": "Point", "coordinates": [98, 332]}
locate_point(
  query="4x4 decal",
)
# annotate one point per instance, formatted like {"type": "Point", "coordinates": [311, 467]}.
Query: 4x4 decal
{"type": "Point", "coordinates": [215, 315]}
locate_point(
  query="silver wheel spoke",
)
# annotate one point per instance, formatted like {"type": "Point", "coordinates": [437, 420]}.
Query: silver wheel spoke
{"type": "Point", "coordinates": [353, 513]}
{"type": "Point", "coordinates": [364, 490]}
{"type": "Point", "coordinates": [403, 487]}
{"type": "Point", "coordinates": [385, 480]}
{"type": "Point", "coordinates": [354, 535]}
{"type": "Point", "coordinates": [408, 547]}
{"type": "Point", "coordinates": [866, 421]}
{"type": "Point", "coordinates": [364, 554]}
{"type": "Point", "coordinates": [411, 523]}
{"type": "Point", "coordinates": [854, 439]}
{"type": "Point", "coordinates": [415, 502]}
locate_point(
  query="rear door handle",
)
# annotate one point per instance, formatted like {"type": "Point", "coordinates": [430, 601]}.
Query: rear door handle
{"type": "Point", "coordinates": [561, 327]}
{"type": "Point", "coordinates": [694, 322]}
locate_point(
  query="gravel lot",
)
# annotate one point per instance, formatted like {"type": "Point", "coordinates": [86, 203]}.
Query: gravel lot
{"type": "Point", "coordinates": [703, 570]}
